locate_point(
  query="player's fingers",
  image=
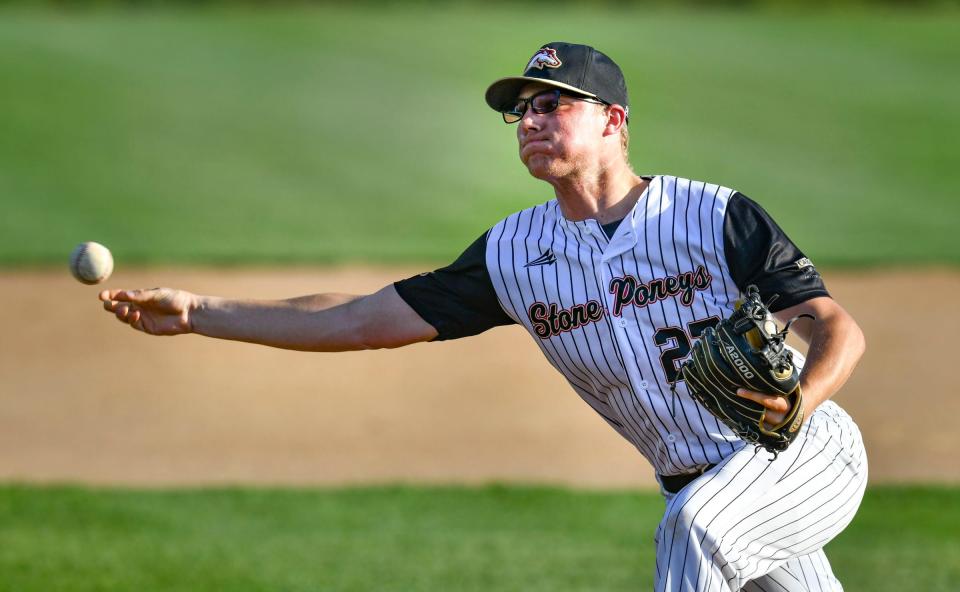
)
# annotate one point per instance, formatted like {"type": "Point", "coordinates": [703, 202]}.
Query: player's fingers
{"type": "Point", "coordinates": [115, 295]}
{"type": "Point", "coordinates": [773, 418]}
{"type": "Point", "coordinates": [151, 297]}
{"type": "Point", "coordinates": [114, 304]}
{"type": "Point", "coordinates": [108, 297]}
{"type": "Point", "coordinates": [122, 311]}
{"type": "Point", "coordinates": [137, 296]}
{"type": "Point", "coordinates": [771, 402]}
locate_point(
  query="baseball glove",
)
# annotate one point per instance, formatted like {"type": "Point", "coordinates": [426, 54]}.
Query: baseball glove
{"type": "Point", "coordinates": [747, 351]}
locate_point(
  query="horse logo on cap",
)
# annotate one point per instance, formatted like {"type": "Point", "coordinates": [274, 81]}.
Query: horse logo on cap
{"type": "Point", "coordinates": [546, 57]}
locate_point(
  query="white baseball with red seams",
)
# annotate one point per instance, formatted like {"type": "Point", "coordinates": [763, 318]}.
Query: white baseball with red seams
{"type": "Point", "coordinates": [91, 263]}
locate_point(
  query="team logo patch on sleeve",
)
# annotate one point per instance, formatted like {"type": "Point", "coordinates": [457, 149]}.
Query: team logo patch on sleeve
{"type": "Point", "coordinates": [545, 58]}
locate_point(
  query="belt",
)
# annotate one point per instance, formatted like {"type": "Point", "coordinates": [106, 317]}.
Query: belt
{"type": "Point", "coordinates": [674, 483]}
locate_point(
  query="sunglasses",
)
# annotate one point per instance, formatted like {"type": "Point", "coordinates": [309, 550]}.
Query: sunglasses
{"type": "Point", "coordinates": [542, 102]}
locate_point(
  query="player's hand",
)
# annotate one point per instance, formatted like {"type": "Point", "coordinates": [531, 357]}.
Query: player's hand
{"type": "Point", "coordinates": [777, 407]}
{"type": "Point", "coordinates": [160, 311]}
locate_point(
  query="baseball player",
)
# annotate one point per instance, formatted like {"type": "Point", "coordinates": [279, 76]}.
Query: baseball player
{"type": "Point", "coordinates": [614, 278]}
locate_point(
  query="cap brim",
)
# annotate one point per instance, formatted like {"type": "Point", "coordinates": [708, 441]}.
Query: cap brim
{"type": "Point", "coordinates": [502, 93]}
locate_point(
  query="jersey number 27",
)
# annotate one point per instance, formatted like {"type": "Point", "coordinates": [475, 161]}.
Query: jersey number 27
{"type": "Point", "coordinates": [679, 342]}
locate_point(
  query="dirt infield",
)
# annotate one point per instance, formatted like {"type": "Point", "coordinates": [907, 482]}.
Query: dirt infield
{"type": "Point", "coordinates": [84, 399]}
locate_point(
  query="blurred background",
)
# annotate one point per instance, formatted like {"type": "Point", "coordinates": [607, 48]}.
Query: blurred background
{"type": "Point", "coordinates": [277, 149]}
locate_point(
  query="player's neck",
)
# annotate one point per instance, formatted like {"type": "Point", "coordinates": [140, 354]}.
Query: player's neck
{"type": "Point", "coordinates": [605, 195]}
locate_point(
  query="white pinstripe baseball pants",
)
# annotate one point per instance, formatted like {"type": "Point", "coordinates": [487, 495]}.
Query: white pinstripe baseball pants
{"type": "Point", "coordinates": [760, 526]}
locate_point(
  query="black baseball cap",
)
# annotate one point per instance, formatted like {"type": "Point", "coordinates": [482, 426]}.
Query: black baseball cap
{"type": "Point", "coordinates": [579, 69]}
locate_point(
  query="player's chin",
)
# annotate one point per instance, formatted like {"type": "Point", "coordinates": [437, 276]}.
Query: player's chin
{"type": "Point", "coordinates": [539, 165]}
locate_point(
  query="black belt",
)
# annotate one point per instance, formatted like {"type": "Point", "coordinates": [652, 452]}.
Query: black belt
{"type": "Point", "coordinates": [674, 483]}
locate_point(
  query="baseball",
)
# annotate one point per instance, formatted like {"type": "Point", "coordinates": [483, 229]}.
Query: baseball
{"type": "Point", "coordinates": [91, 263]}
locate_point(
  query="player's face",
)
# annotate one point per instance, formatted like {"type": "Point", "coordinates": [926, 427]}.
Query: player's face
{"type": "Point", "coordinates": [563, 142]}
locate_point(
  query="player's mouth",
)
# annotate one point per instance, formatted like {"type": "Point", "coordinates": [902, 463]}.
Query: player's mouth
{"type": "Point", "coordinates": [529, 147]}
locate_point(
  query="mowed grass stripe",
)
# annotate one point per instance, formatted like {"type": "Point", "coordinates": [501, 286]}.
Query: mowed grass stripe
{"type": "Point", "coordinates": [360, 134]}
{"type": "Point", "coordinates": [407, 538]}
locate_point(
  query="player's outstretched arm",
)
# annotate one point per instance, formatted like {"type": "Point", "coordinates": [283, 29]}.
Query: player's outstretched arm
{"type": "Point", "coordinates": [320, 322]}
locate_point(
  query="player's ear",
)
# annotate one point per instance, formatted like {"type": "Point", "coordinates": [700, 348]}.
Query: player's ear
{"type": "Point", "coordinates": [616, 119]}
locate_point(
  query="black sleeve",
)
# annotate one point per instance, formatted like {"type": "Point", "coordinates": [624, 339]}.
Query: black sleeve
{"type": "Point", "coordinates": [458, 300]}
{"type": "Point", "coordinates": [758, 252]}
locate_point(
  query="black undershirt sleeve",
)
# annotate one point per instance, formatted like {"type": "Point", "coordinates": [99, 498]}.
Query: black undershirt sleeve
{"type": "Point", "coordinates": [758, 252]}
{"type": "Point", "coordinates": [458, 300]}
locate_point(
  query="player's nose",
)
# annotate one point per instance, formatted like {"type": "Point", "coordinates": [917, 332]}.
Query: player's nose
{"type": "Point", "coordinates": [526, 127]}
{"type": "Point", "coordinates": [530, 122]}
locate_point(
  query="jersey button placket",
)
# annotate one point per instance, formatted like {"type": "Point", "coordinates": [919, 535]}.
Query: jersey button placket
{"type": "Point", "coordinates": [619, 326]}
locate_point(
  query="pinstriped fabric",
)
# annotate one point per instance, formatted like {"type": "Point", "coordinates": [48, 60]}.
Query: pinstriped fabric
{"type": "Point", "coordinates": [755, 524]}
{"type": "Point", "coordinates": [615, 316]}
{"type": "Point", "coordinates": [802, 574]}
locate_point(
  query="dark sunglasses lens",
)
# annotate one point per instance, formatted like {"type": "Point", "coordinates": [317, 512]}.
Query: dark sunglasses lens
{"type": "Point", "coordinates": [515, 113]}
{"type": "Point", "coordinates": [545, 102]}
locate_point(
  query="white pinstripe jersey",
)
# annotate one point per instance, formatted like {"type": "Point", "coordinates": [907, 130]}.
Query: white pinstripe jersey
{"type": "Point", "coordinates": [615, 316]}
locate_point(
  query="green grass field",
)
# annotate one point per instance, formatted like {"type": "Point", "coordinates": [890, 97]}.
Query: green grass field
{"type": "Point", "coordinates": [412, 539]}
{"type": "Point", "coordinates": [360, 134]}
